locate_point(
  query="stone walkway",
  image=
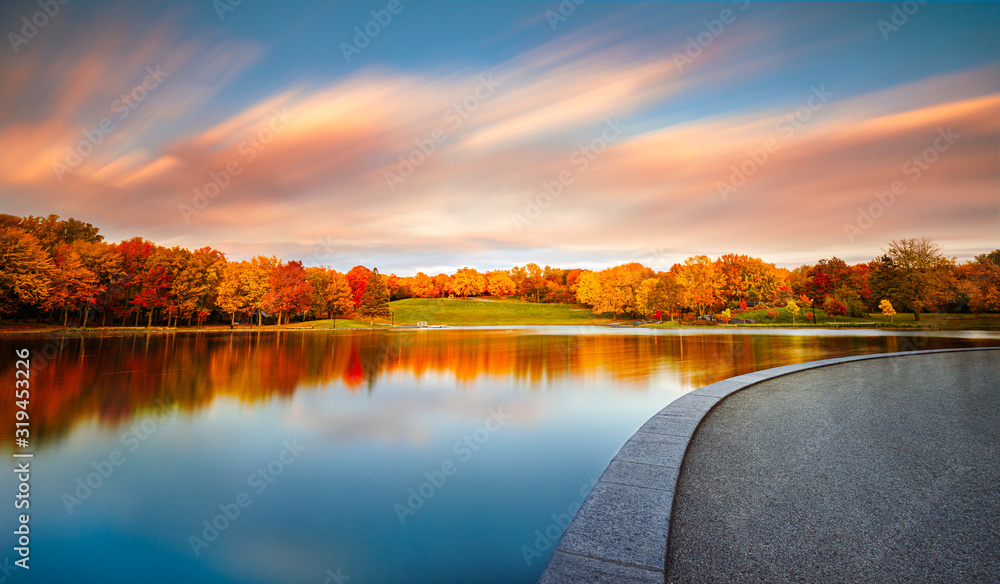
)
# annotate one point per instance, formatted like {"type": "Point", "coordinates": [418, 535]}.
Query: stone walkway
{"type": "Point", "coordinates": [884, 470]}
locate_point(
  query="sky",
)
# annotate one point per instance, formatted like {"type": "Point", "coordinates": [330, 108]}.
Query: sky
{"type": "Point", "coordinates": [414, 135]}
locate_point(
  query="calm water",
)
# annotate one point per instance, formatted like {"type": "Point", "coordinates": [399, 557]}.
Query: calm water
{"type": "Point", "coordinates": [303, 447]}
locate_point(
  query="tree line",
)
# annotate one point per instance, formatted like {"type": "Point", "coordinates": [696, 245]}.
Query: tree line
{"type": "Point", "coordinates": [52, 268]}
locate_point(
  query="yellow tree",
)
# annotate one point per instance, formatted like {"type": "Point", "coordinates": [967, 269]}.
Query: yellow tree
{"type": "Point", "coordinates": [793, 308]}
{"type": "Point", "coordinates": [698, 278]}
{"type": "Point", "coordinates": [26, 274]}
{"type": "Point", "coordinates": [886, 307]}
{"type": "Point", "coordinates": [468, 282]}
{"type": "Point", "coordinates": [339, 297]}
{"type": "Point", "coordinates": [319, 279]}
{"type": "Point", "coordinates": [500, 284]}
{"type": "Point", "coordinates": [617, 290]}
{"type": "Point", "coordinates": [423, 286]}
{"type": "Point", "coordinates": [231, 293]}
{"type": "Point", "coordinates": [256, 283]}
{"type": "Point", "coordinates": [588, 289]}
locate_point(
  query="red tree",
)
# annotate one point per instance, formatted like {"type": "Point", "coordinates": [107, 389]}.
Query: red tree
{"type": "Point", "coordinates": [358, 279]}
{"type": "Point", "coordinates": [289, 291]}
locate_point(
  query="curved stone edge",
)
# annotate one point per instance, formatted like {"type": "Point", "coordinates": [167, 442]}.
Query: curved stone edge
{"type": "Point", "coordinates": [620, 532]}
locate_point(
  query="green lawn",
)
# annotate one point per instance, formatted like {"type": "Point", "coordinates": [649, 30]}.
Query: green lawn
{"type": "Point", "coordinates": [931, 320]}
{"type": "Point", "coordinates": [510, 311]}
{"type": "Point", "coordinates": [340, 323]}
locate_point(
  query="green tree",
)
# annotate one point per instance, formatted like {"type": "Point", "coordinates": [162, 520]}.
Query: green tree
{"type": "Point", "coordinates": [375, 300]}
{"type": "Point", "coordinates": [793, 308]}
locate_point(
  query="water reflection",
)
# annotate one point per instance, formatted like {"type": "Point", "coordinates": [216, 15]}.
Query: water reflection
{"type": "Point", "coordinates": [111, 379]}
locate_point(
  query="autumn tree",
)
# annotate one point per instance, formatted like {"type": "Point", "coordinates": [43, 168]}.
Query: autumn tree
{"type": "Point", "coordinates": [698, 278]}
{"type": "Point", "coordinates": [102, 260]}
{"type": "Point", "coordinates": [358, 277]}
{"type": "Point", "coordinates": [52, 231]}
{"type": "Point", "coordinates": [203, 273]}
{"type": "Point", "coordinates": [468, 282]}
{"type": "Point", "coordinates": [423, 286]}
{"type": "Point", "coordinates": [588, 289]}
{"type": "Point", "coordinates": [530, 281]}
{"type": "Point", "coordinates": [375, 300]}
{"type": "Point", "coordinates": [886, 307]}
{"type": "Point", "coordinates": [133, 255]}
{"type": "Point", "coordinates": [741, 277]}
{"type": "Point", "coordinates": [793, 309]}
{"type": "Point", "coordinates": [499, 284]}
{"type": "Point", "coordinates": [443, 285]}
{"type": "Point", "coordinates": [834, 307]}
{"type": "Point", "coordinates": [26, 274]}
{"type": "Point", "coordinates": [154, 283]}
{"type": "Point", "coordinates": [979, 282]}
{"type": "Point", "coordinates": [72, 282]}
{"type": "Point", "coordinates": [913, 273]}
{"type": "Point", "coordinates": [616, 289]}
{"type": "Point", "coordinates": [339, 297]}
{"type": "Point", "coordinates": [319, 278]}
{"type": "Point", "coordinates": [288, 292]}
{"type": "Point", "coordinates": [256, 283]}
{"type": "Point", "coordinates": [232, 296]}
{"type": "Point", "coordinates": [646, 301]}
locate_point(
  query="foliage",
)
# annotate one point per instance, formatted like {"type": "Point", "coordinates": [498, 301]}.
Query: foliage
{"type": "Point", "coordinates": [375, 300]}
{"type": "Point", "coordinates": [289, 291]}
{"type": "Point", "coordinates": [26, 276]}
{"type": "Point", "coordinates": [912, 273]}
{"type": "Point", "coordinates": [886, 307]}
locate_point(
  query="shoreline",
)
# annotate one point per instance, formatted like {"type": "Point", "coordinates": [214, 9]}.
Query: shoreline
{"type": "Point", "coordinates": [72, 332]}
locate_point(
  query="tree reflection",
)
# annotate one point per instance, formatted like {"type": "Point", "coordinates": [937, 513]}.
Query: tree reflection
{"type": "Point", "coordinates": [111, 379]}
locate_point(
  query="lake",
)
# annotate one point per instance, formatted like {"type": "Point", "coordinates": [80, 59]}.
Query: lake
{"type": "Point", "coordinates": [414, 456]}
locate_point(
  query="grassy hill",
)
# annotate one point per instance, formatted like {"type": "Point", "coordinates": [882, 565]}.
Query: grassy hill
{"type": "Point", "coordinates": [488, 311]}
